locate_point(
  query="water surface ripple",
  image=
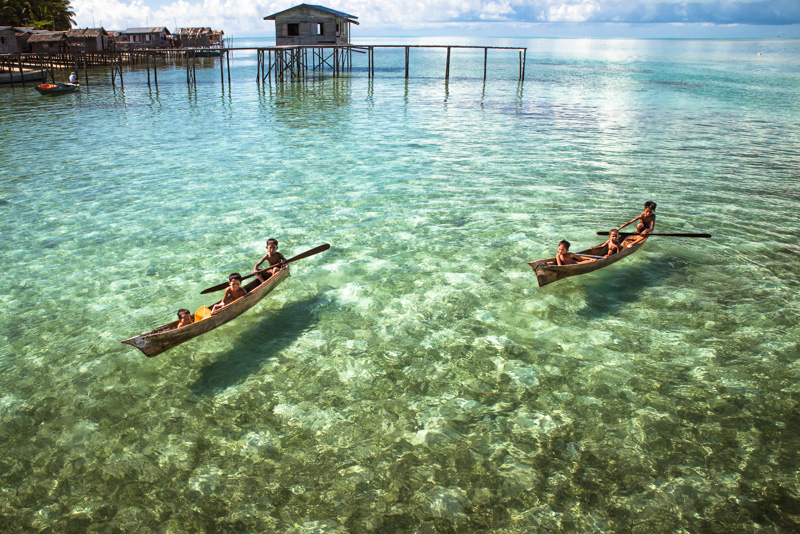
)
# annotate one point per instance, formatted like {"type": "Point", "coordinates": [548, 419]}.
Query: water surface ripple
{"type": "Point", "coordinates": [413, 378]}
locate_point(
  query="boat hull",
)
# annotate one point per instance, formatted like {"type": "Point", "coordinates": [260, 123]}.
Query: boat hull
{"type": "Point", "coordinates": [168, 336]}
{"type": "Point", "coordinates": [548, 272]}
{"type": "Point", "coordinates": [28, 75]}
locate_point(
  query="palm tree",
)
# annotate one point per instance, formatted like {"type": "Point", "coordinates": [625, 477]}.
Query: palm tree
{"type": "Point", "coordinates": [43, 14]}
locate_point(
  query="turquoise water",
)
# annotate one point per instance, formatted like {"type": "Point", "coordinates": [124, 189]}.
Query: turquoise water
{"type": "Point", "coordinates": [413, 378]}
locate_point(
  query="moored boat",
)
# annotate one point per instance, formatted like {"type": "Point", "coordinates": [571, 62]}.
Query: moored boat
{"type": "Point", "coordinates": [27, 75]}
{"type": "Point", "coordinates": [167, 336]}
{"type": "Point", "coordinates": [56, 88]}
{"type": "Point", "coordinates": [548, 271]}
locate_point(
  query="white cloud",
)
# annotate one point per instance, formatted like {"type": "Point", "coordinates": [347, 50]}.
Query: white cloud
{"type": "Point", "coordinates": [580, 12]}
{"type": "Point", "coordinates": [246, 16]}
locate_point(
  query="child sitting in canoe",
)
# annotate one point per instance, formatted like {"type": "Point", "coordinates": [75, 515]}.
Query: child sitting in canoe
{"type": "Point", "coordinates": [185, 317]}
{"type": "Point", "coordinates": [647, 219]}
{"type": "Point", "coordinates": [565, 257]}
{"type": "Point", "coordinates": [233, 292]}
{"type": "Point", "coordinates": [275, 259]}
{"type": "Point", "coordinates": [614, 243]}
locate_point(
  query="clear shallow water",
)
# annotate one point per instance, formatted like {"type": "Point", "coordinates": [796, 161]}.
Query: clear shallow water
{"type": "Point", "coordinates": [413, 377]}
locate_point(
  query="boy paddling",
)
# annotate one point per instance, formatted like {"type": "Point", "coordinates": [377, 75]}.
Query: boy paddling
{"type": "Point", "coordinates": [647, 219]}
{"type": "Point", "coordinates": [274, 258]}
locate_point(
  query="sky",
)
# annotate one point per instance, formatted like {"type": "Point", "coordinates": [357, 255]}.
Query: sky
{"type": "Point", "coordinates": [491, 18]}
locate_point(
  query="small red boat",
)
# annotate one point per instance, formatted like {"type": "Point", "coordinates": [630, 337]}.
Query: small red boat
{"type": "Point", "coordinates": [56, 88]}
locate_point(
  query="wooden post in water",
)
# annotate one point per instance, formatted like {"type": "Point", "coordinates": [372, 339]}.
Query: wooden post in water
{"type": "Point", "coordinates": [155, 70]}
{"type": "Point", "coordinates": [228, 60]}
{"type": "Point", "coordinates": [407, 53]}
{"type": "Point", "coordinates": [147, 57]}
{"type": "Point", "coordinates": [21, 74]}
{"type": "Point", "coordinates": [447, 68]}
{"type": "Point", "coordinates": [222, 71]}
{"type": "Point", "coordinates": [485, 54]}
{"type": "Point", "coordinates": [85, 69]}
{"type": "Point", "coordinates": [524, 57]}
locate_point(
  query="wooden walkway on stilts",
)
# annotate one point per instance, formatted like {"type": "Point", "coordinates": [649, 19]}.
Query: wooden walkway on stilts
{"type": "Point", "coordinates": [275, 63]}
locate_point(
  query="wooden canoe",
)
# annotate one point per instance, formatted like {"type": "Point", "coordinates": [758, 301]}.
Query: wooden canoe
{"type": "Point", "coordinates": [548, 272]}
{"type": "Point", "coordinates": [167, 336]}
{"type": "Point", "coordinates": [56, 88]}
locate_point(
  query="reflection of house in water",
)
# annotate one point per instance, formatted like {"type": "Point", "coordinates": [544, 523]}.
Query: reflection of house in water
{"type": "Point", "coordinates": [312, 25]}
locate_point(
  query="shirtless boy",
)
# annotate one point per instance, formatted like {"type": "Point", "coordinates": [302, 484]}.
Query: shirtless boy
{"type": "Point", "coordinates": [565, 257]}
{"type": "Point", "coordinates": [274, 258]}
{"type": "Point", "coordinates": [233, 292]}
{"type": "Point", "coordinates": [614, 243]}
{"type": "Point", "coordinates": [185, 317]}
{"type": "Point", "coordinates": [647, 219]}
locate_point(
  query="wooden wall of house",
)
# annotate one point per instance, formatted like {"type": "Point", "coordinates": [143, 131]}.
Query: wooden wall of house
{"type": "Point", "coordinates": [308, 21]}
{"type": "Point", "coordinates": [8, 42]}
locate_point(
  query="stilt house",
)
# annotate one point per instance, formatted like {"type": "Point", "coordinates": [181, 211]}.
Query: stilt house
{"type": "Point", "coordinates": [200, 37]}
{"type": "Point", "coordinates": [48, 42]}
{"type": "Point", "coordinates": [8, 40]}
{"type": "Point", "coordinates": [87, 39]}
{"type": "Point", "coordinates": [308, 24]}
{"type": "Point", "coordinates": [144, 38]}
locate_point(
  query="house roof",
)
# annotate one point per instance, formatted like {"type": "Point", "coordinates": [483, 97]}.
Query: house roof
{"type": "Point", "coordinates": [86, 32]}
{"type": "Point", "coordinates": [194, 31]}
{"type": "Point", "coordinates": [131, 31]}
{"type": "Point", "coordinates": [328, 10]}
{"type": "Point", "coordinates": [49, 37]}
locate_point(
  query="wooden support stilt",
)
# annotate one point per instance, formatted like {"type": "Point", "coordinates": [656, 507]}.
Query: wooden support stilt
{"type": "Point", "coordinates": [21, 74]}
{"type": "Point", "coordinates": [408, 51]}
{"type": "Point", "coordinates": [485, 55]}
{"type": "Point", "coordinates": [524, 57]}
{"type": "Point", "coordinates": [447, 68]}
{"type": "Point", "coordinates": [228, 60]}
{"type": "Point", "coordinates": [155, 70]}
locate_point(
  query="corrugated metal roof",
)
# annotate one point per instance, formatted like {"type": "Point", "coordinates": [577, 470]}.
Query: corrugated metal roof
{"type": "Point", "coordinates": [319, 8]}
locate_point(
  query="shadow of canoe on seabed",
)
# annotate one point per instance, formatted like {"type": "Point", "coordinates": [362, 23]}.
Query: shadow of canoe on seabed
{"type": "Point", "coordinates": [616, 288]}
{"type": "Point", "coordinates": [277, 330]}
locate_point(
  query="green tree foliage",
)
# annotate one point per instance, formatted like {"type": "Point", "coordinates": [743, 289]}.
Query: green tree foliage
{"type": "Point", "coordinates": [43, 14]}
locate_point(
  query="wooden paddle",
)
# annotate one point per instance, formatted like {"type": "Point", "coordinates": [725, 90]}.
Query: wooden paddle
{"type": "Point", "coordinates": [305, 254]}
{"type": "Point", "coordinates": [660, 235]}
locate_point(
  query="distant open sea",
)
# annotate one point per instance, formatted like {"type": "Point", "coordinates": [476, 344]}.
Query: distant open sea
{"type": "Point", "coordinates": [413, 378]}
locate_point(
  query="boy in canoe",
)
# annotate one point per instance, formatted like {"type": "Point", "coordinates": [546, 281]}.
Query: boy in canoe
{"type": "Point", "coordinates": [274, 258]}
{"type": "Point", "coordinates": [614, 243]}
{"type": "Point", "coordinates": [565, 257]}
{"type": "Point", "coordinates": [185, 317]}
{"type": "Point", "coordinates": [233, 292]}
{"type": "Point", "coordinates": [647, 219]}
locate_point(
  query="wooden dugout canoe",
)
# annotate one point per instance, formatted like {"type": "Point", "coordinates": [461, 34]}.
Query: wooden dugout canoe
{"type": "Point", "coordinates": [167, 336]}
{"type": "Point", "coordinates": [548, 272]}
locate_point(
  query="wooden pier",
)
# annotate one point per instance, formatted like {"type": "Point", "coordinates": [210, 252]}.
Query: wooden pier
{"type": "Point", "coordinates": [292, 63]}
{"type": "Point", "coordinates": [279, 64]}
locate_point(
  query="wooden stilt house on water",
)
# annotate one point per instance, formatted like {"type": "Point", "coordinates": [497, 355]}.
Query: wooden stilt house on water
{"type": "Point", "coordinates": [48, 42]}
{"type": "Point", "coordinates": [87, 39]}
{"type": "Point", "coordinates": [308, 24]}
{"type": "Point", "coordinates": [8, 40]}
